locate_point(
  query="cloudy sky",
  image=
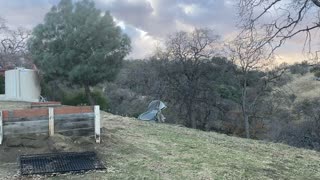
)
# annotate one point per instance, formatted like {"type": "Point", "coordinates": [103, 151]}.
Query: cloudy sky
{"type": "Point", "coordinates": [149, 21]}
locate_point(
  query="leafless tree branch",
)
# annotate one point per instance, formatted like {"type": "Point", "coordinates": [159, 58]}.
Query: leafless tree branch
{"type": "Point", "coordinates": [279, 20]}
{"type": "Point", "coordinates": [13, 46]}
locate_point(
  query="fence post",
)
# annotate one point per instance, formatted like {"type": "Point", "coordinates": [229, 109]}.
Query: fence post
{"type": "Point", "coordinates": [97, 123]}
{"type": "Point", "coordinates": [51, 121]}
{"type": "Point", "coordinates": [1, 128]}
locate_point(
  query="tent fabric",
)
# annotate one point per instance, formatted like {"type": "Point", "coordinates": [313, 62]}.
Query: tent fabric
{"type": "Point", "coordinates": [153, 112]}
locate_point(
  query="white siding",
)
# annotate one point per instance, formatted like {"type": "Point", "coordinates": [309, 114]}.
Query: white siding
{"type": "Point", "coordinates": [11, 84]}
{"type": "Point", "coordinates": [22, 85]}
{"type": "Point", "coordinates": [29, 85]}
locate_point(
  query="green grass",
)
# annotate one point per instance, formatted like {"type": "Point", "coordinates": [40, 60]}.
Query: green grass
{"type": "Point", "coordinates": [141, 150]}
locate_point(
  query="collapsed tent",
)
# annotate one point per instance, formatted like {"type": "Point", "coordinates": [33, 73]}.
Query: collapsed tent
{"type": "Point", "coordinates": [154, 112]}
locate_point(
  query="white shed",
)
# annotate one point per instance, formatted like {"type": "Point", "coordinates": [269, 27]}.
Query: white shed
{"type": "Point", "coordinates": [22, 85]}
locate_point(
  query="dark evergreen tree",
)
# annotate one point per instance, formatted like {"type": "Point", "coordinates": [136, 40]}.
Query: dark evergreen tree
{"type": "Point", "coordinates": [80, 44]}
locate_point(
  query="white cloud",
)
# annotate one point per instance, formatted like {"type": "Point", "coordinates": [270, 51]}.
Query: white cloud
{"type": "Point", "coordinates": [142, 45]}
{"type": "Point", "coordinates": [181, 26]}
{"type": "Point", "coordinates": [120, 23]}
{"type": "Point", "coordinates": [190, 9]}
{"type": "Point", "coordinates": [147, 21]}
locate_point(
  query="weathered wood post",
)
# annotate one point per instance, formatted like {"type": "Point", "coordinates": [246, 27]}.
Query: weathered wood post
{"type": "Point", "coordinates": [1, 127]}
{"type": "Point", "coordinates": [51, 121]}
{"type": "Point", "coordinates": [97, 123]}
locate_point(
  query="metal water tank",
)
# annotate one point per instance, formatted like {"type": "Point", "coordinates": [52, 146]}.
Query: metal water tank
{"type": "Point", "coordinates": [22, 85]}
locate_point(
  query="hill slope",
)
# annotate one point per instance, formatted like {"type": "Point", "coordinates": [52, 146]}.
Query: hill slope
{"type": "Point", "coordinates": [304, 87]}
{"type": "Point", "coordinates": [157, 151]}
{"type": "Point", "coordinates": [133, 149]}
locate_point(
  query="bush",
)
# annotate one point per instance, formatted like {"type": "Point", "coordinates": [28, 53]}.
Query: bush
{"type": "Point", "coordinates": [317, 74]}
{"type": "Point", "coordinates": [229, 92]}
{"type": "Point", "coordinates": [81, 99]}
{"type": "Point", "coordinates": [53, 90]}
{"type": "Point", "coordinates": [125, 102]}
{"type": "Point", "coordinates": [301, 69]}
{"type": "Point", "coordinates": [284, 79]}
{"type": "Point", "coordinates": [302, 135]}
{"type": "Point", "coordinates": [309, 108]}
{"type": "Point", "coordinates": [2, 85]}
{"type": "Point", "coordinates": [315, 69]}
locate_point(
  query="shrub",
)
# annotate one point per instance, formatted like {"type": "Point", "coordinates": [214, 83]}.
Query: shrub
{"type": "Point", "coordinates": [317, 74]}
{"type": "Point", "coordinates": [304, 134]}
{"type": "Point", "coordinates": [229, 92]}
{"type": "Point", "coordinates": [125, 102]}
{"type": "Point", "coordinates": [284, 79]}
{"type": "Point", "coordinates": [81, 99]}
{"type": "Point", "coordinates": [315, 69]}
{"type": "Point", "coordinates": [2, 85]}
{"type": "Point", "coordinates": [310, 108]}
{"type": "Point", "coordinates": [301, 69]}
{"type": "Point", "coordinates": [53, 90]}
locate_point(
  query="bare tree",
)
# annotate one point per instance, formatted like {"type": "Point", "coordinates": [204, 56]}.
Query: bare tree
{"type": "Point", "coordinates": [195, 46]}
{"type": "Point", "coordinates": [280, 20]}
{"type": "Point", "coordinates": [13, 46]}
{"type": "Point", "coordinates": [187, 53]}
{"type": "Point", "coordinates": [248, 56]}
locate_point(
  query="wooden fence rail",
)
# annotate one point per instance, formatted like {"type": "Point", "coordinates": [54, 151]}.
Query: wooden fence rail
{"type": "Point", "coordinates": [79, 121]}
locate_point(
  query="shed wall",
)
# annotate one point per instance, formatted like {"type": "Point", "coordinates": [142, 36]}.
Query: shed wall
{"type": "Point", "coordinates": [22, 85]}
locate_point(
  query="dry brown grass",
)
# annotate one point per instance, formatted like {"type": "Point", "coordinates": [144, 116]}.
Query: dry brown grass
{"type": "Point", "coordinates": [304, 87]}
{"type": "Point", "coordinates": [132, 149]}
{"type": "Point", "coordinates": [140, 150]}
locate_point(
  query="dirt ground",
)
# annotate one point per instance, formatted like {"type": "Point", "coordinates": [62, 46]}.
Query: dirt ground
{"type": "Point", "coordinates": [13, 147]}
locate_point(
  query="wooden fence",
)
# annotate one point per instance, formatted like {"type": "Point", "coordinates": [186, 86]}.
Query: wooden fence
{"type": "Point", "coordinates": [68, 120]}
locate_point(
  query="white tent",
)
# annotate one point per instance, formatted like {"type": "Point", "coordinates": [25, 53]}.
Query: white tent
{"type": "Point", "coordinates": [154, 112]}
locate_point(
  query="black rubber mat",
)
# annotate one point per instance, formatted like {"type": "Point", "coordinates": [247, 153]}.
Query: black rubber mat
{"type": "Point", "coordinates": [59, 163]}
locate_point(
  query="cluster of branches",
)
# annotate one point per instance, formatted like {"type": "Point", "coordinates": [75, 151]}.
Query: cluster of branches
{"type": "Point", "coordinates": [187, 59]}
{"type": "Point", "coordinates": [13, 46]}
{"type": "Point", "coordinates": [265, 26]}
{"type": "Point", "coordinates": [190, 58]}
{"type": "Point", "coordinates": [195, 46]}
{"type": "Point", "coordinates": [277, 20]}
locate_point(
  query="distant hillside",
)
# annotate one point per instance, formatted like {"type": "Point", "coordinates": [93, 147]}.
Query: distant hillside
{"type": "Point", "coordinates": [303, 87]}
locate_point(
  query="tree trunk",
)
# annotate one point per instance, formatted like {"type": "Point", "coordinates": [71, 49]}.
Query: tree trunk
{"type": "Point", "coordinates": [244, 109]}
{"type": "Point", "coordinates": [88, 94]}
{"type": "Point", "coordinates": [193, 122]}
{"type": "Point", "coordinates": [247, 126]}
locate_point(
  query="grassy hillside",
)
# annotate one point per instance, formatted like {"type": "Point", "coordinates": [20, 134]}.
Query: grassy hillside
{"type": "Point", "coordinates": [141, 150]}
{"type": "Point", "coordinates": [132, 149]}
{"type": "Point", "coordinates": [304, 87]}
